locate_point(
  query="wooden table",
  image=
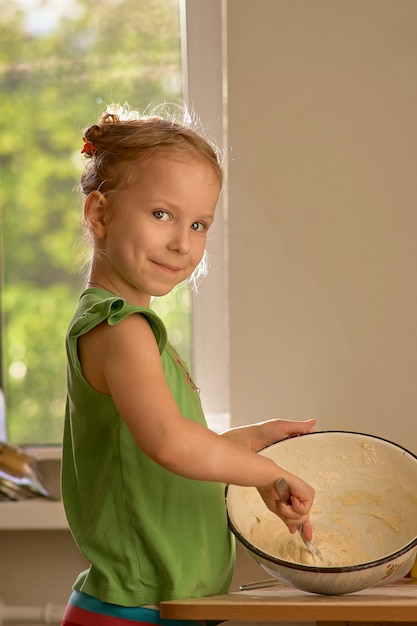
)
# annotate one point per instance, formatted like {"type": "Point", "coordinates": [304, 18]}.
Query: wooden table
{"type": "Point", "coordinates": [389, 604]}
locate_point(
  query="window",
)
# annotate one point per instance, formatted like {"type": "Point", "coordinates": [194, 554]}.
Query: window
{"type": "Point", "coordinates": [62, 61]}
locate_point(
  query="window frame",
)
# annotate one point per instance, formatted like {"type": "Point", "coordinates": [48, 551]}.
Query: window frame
{"type": "Point", "coordinates": [204, 63]}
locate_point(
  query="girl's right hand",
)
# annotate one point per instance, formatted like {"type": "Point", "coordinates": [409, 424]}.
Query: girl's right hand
{"type": "Point", "coordinates": [295, 513]}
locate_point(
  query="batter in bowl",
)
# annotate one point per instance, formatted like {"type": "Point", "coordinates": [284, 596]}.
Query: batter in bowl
{"type": "Point", "coordinates": [333, 533]}
{"type": "Point", "coordinates": [270, 535]}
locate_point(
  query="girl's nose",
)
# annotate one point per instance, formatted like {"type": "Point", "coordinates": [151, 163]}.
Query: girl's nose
{"type": "Point", "coordinates": [180, 240]}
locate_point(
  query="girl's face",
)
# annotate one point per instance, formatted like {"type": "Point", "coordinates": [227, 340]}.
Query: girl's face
{"type": "Point", "coordinates": [155, 236]}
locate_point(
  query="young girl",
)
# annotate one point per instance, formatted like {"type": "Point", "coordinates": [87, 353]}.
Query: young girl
{"type": "Point", "coordinates": [142, 475]}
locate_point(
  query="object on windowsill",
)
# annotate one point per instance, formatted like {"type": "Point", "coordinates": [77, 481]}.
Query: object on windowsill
{"type": "Point", "coordinates": [23, 476]}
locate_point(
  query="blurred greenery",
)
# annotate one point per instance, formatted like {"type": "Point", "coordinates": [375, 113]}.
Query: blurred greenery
{"type": "Point", "coordinates": [61, 63]}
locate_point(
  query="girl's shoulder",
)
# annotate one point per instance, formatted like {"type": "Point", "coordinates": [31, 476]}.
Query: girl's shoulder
{"type": "Point", "coordinates": [97, 305]}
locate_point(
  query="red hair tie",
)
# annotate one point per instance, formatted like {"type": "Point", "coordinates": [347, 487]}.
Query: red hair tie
{"type": "Point", "coordinates": [89, 149]}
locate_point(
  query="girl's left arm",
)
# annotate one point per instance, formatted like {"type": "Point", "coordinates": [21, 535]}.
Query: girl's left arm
{"type": "Point", "coordinates": [254, 437]}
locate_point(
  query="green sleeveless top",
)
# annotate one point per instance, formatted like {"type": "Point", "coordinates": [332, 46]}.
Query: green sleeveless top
{"type": "Point", "coordinates": [148, 534]}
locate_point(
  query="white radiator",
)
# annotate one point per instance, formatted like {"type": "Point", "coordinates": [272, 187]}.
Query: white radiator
{"type": "Point", "coordinates": [22, 615]}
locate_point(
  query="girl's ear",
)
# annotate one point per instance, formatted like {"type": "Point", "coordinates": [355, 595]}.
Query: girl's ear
{"type": "Point", "coordinates": [95, 214]}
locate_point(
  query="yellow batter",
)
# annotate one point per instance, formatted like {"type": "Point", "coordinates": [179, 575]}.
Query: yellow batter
{"type": "Point", "coordinates": [272, 536]}
{"type": "Point", "coordinates": [336, 534]}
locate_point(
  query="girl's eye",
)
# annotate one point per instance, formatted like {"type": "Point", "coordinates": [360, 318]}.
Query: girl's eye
{"type": "Point", "coordinates": [198, 226]}
{"type": "Point", "coordinates": [161, 215]}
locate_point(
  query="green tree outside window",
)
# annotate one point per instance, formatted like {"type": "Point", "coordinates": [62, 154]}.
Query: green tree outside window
{"type": "Point", "coordinates": [61, 63]}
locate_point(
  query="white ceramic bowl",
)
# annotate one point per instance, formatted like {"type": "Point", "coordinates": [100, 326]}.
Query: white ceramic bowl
{"type": "Point", "coordinates": [364, 515]}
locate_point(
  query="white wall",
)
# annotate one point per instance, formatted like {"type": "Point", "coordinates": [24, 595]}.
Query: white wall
{"type": "Point", "coordinates": [322, 101]}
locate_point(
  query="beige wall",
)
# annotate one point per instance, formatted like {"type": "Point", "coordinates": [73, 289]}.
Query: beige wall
{"type": "Point", "coordinates": [322, 104]}
{"type": "Point", "coordinates": [38, 567]}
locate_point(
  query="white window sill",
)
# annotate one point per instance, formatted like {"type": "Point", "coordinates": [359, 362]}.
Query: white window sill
{"type": "Point", "coordinates": [34, 514]}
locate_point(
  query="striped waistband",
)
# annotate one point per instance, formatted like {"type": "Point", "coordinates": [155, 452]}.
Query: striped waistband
{"type": "Point", "coordinates": [85, 610]}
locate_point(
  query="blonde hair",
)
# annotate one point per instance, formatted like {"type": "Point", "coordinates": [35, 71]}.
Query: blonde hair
{"type": "Point", "coordinates": [123, 136]}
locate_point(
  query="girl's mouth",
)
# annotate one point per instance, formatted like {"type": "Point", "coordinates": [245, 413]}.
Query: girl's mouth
{"type": "Point", "coordinates": [167, 268]}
